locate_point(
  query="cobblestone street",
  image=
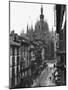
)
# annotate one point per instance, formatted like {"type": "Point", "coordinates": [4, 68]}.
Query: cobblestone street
{"type": "Point", "coordinates": [45, 78]}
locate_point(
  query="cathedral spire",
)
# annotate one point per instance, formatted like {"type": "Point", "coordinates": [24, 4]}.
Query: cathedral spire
{"type": "Point", "coordinates": [41, 16]}
{"type": "Point", "coordinates": [41, 10]}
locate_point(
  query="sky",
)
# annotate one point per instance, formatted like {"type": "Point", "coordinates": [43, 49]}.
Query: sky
{"type": "Point", "coordinates": [23, 14]}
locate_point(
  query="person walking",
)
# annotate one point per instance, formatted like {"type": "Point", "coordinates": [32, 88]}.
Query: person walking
{"type": "Point", "coordinates": [50, 78]}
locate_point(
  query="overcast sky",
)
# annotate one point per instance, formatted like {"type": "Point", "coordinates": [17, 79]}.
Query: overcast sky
{"type": "Point", "coordinates": [22, 14]}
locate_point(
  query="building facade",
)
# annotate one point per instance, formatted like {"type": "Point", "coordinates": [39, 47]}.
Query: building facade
{"type": "Point", "coordinates": [14, 63]}
{"type": "Point", "coordinates": [61, 42]}
{"type": "Point", "coordinates": [23, 61]}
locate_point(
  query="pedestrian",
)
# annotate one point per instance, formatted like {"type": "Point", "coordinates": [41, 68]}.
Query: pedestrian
{"type": "Point", "coordinates": [50, 78]}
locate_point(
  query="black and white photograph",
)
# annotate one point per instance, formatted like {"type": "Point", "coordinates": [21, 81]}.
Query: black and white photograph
{"type": "Point", "coordinates": [37, 44]}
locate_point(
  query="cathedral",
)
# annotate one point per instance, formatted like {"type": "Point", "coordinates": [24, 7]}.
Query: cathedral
{"type": "Point", "coordinates": [41, 31]}
{"type": "Point", "coordinates": [41, 34]}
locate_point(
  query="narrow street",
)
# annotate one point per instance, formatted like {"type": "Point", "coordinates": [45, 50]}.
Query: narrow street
{"type": "Point", "coordinates": [45, 78]}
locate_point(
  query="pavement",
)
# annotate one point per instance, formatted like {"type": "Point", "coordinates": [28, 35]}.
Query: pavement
{"type": "Point", "coordinates": [45, 78]}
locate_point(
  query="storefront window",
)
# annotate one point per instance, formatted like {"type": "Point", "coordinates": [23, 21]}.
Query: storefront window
{"type": "Point", "coordinates": [19, 68]}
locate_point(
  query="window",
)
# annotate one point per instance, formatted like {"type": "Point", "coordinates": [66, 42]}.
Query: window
{"type": "Point", "coordinates": [15, 60]}
{"type": "Point", "coordinates": [15, 80]}
{"type": "Point", "coordinates": [10, 60]}
{"type": "Point", "coordinates": [17, 51]}
{"type": "Point", "coordinates": [10, 51]}
{"type": "Point", "coordinates": [10, 72]}
{"type": "Point", "coordinates": [13, 51]}
{"type": "Point", "coordinates": [15, 70]}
